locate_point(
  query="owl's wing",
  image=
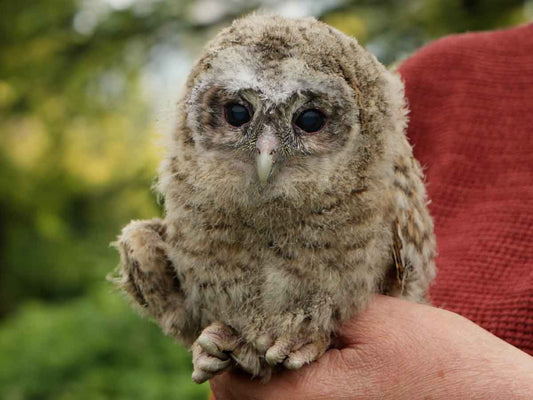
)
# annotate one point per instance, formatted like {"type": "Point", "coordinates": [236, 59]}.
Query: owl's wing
{"type": "Point", "coordinates": [397, 247]}
{"type": "Point", "coordinates": [146, 274]}
{"type": "Point", "coordinates": [413, 247]}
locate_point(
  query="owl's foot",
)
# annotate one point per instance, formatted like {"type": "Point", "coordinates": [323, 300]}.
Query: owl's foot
{"type": "Point", "coordinates": [219, 347]}
{"type": "Point", "coordinates": [205, 365]}
{"type": "Point", "coordinates": [210, 352]}
{"type": "Point", "coordinates": [294, 354]}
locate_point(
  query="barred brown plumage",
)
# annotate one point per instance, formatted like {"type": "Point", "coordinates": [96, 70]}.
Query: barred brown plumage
{"type": "Point", "coordinates": [270, 258]}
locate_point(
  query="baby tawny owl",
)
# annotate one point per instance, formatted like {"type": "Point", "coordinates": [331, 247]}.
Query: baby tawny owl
{"type": "Point", "coordinates": [291, 196]}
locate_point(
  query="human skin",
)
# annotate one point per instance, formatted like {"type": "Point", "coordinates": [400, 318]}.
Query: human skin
{"type": "Point", "coordinates": [399, 350]}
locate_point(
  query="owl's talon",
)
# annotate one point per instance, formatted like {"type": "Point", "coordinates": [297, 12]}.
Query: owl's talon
{"type": "Point", "coordinates": [305, 354]}
{"type": "Point", "coordinates": [218, 340]}
{"type": "Point", "coordinates": [279, 351]}
{"type": "Point", "coordinates": [200, 376]}
{"type": "Point", "coordinates": [291, 363]}
{"type": "Point", "coordinates": [211, 364]}
{"type": "Point", "coordinates": [218, 345]}
{"type": "Point", "coordinates": [294, 354]}
{"type": "Point", "coordinates": [210, 347]}
{"type": "Point", "coordinates": [209, 351]}
{"type": "Point", "coordinates": [206, 365]}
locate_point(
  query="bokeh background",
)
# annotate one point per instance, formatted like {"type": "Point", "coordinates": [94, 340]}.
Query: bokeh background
{"type": "Point", "coordinates": [86, 88]}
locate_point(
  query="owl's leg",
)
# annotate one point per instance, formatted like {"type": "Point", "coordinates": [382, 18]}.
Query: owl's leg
{"type": "Point", "coordinates": [147, 275]}
{"type": "Point", "coordinates": [294, 353]}
{"type": "Point", "coordinates": [249, 359]}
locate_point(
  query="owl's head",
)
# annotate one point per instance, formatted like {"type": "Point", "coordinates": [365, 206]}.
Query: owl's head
{"type": "Point", "coordinates": [284, 108]}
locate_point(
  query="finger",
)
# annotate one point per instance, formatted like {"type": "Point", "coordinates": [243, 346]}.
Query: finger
{"type": "Point", "coordinates": [239, 386]}
{"type": "Point", "coordinates": [319, 380]}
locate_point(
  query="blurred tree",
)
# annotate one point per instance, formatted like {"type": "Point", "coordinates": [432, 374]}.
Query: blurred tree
{"type": "Point", "coordinates": [393, 29]}
{"type": "Point", "coordinates": [76, 151]}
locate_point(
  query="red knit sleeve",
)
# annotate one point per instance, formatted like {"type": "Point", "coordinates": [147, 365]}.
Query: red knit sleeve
{"type": "Point", "coordinates": [471, 122]}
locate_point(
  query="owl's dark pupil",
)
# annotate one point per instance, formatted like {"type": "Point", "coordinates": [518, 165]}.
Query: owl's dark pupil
{"type": "Point", "coordinates": [310, 121]}
{"type": "Point", "coordinates": [236, 114]}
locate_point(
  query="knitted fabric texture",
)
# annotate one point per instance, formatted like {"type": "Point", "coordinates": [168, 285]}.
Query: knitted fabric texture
{"type": "Point", "coordinates": [471, 122]}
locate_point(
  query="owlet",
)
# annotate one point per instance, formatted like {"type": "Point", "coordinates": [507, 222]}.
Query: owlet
{"type": "Point", "coordinates": [291, 196]}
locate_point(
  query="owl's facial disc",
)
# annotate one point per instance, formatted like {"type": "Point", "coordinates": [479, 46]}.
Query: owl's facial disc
{"type": "Point", "coordinates": [271, 128]}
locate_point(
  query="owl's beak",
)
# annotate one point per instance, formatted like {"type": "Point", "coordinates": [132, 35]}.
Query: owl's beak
{"type": "Point", "coordinates": [267, 146]}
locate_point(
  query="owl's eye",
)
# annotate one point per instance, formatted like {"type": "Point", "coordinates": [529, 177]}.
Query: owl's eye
{"type": "Point", "coordinates": [236, 114]}
{"type": "Point", "coordinates": [310, 121]}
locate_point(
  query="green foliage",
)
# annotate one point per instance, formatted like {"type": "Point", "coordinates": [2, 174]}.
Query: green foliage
{"type": "Point", "coordinates": [77, 159]}
{"type": "Point", "coordinates": [91, 348]}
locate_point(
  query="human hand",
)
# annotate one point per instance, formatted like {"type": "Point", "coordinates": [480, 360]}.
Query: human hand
{"type": "Point", "coordinates": [399, 350]}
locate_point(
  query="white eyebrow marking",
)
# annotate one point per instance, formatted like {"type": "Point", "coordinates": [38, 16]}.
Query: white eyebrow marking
{"type": "Point", "coordinates": [237, 69]}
